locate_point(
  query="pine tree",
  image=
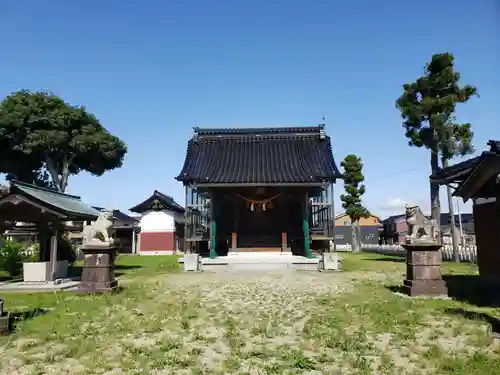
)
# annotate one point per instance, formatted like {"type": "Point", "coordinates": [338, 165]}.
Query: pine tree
{"type": "Point", "coordinates": [351, 201]}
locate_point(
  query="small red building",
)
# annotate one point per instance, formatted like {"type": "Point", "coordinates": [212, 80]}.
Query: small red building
{"type": "Point", "coordinates": [479, 179]}
{"type": "Point", "coordinates": [161, 225]}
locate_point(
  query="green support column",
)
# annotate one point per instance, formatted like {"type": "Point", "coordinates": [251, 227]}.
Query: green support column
{"type": "Point", "coordinates": [213, 228]}
{"type": "Point", "coordinates": [213, 254]}
{"type": "Point", "coordinates": [305, 226]}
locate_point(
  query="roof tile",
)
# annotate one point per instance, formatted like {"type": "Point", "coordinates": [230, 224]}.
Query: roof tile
{"type": "Point", "coordinates": [270, 155]}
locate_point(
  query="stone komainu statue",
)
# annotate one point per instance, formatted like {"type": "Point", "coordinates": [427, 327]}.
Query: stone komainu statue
{"type": "Point", "coordinates": [420, 228]}
{"type": "Point", "coordinates": [100, 230]}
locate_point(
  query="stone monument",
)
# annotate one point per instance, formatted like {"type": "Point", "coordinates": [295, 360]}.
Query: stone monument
{"type": "Point", "coordinates": [4, 320]}
{"type": "Point", "coordinates": [423, 258]}
{"type": "Point", "coordinates": [99, 250]}
{"type": "Point", "coordinates": [329, 262]}
{"type": "Point", "coordinates": [192, 262]}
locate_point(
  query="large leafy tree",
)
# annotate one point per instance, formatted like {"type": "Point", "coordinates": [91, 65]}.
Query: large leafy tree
{"type": "Point", "coordinates": [427, 107]}
{"type": "Point", "coordinates": [44, 140]}
{"type": "Point", "coordinates": [352, 199]}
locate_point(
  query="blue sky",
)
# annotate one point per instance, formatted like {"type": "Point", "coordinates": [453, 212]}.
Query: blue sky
{"type": "Point", "coordinates": [152, 70]}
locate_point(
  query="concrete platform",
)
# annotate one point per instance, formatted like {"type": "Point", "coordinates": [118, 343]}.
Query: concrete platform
{"type": "Point", "coordinates": [258, 261]}
{"type": "Point", "coordinates": [38, 287]}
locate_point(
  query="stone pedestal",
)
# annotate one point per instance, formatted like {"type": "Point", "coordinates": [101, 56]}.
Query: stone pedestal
{"type": "Point", "coordinates": [4, 321]}
{"type": "Point", "coordinates": [98, 271]}
{"type": "Point", "coordinates": [423, 270]}
{"type": "Point", "coordinates": [192, 262]}
{"type": "Point", "coordinates": [329, 262]}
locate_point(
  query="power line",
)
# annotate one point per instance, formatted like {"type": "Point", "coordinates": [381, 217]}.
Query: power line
{"type": "Point", "coordinates": [396, 174]}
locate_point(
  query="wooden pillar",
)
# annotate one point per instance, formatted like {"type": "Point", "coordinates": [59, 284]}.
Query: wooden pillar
{"type": "Point", "coordinates": [187, 250]}
{"type": "Point", "coordinates": [213, 229]}
{"type": "Point", "coordinates": [284, 241]}
{"type": "Point", "coordinates": [234, 241]}
{"type": "Point", "coordinates": [305, 225]}
{"type": "Point", "coordinates": [332, 218]}
{"type": "Point", "coordinates": [138, 245]}
{"type": "Point", "coordinates": [53, 255]}
{"type": "Point", "coordinates": [134, 249]}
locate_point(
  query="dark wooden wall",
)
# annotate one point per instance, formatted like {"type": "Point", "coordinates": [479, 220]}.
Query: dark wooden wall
{"type": "Point", "coordinates": [487, 227]}
{"type": "Point", "coordinates": [254, 228]}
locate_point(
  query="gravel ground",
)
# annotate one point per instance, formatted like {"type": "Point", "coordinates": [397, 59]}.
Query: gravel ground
{"type": "Point", "coordinates": [242, 323]}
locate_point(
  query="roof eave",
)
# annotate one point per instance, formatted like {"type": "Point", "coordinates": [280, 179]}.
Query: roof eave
{"type": "Point", "coordinates": [486, 169]}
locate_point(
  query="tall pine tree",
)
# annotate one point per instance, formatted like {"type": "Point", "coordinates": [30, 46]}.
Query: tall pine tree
{"type": "Point", "coordinates": [427, 107]}
{"type": "Point", "coordinates": [351, 201]}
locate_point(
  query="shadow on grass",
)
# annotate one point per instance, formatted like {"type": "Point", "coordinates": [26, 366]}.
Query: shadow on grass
{"type": "Point", "coordinates": [390, 259]}
{"type": "Point", "coordinates": [121, 269]}
{"type": "Point", "coordinates": [470, 289]}
{"type": "Point", "coordinates": [22, 316]}
{"type": "Point", "coordinates": [5, 278]}
{"type": "Point", "coordinates": [396, 288]}
{"type": "Point", "coordinates": [76, 271]}
{"type": "Point", "coordinates": [475, 315]}
{"type": "Point", "coordinates": [465, 288]}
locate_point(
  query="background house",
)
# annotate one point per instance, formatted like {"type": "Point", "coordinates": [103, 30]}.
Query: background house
{"type": "Point", "coordinates": [395, 228]}
{"type": "Point", "coordinates": [369, 228]}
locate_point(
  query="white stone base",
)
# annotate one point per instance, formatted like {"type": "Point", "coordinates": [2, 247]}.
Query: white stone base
{"type": "Point", "coordinates": [159, 252]}
{"type": "Point", "coordinates": [39, 272]}
{"type": "Point", "coordinates": [329, 262]}
{"type": "Point", "coordinates": [253, 261]}
{"type": "Point", "coordinates": [192, 262]}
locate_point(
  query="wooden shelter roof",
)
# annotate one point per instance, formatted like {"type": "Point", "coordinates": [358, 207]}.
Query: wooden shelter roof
{"type": "Point", "coordinates": [476, 177]}
{"type": "Point", "coordinates": [27, 202]}
{"type": "Point", "coordinates": [259, 156]}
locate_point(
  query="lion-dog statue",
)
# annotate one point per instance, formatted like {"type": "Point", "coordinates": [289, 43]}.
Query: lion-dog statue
{"type": "Point", "coordinates": [100, 230]}
{"type": "Point", "coordinates": [420, 228]}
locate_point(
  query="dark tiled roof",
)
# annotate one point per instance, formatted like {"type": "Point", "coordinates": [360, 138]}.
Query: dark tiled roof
{"type": "Point", "coordinates": [260, 131]}
{"type": "Point", "coordinates": [460, 171]}
{"type": "Point", "coordinates": [269, 155]}
{"type": "Point", "coordinates": [166, 200]}
{"type": "Point", "coordinates": [494, 146]}
{"type": "Point", "coordinates": [456, 172]}
{"type": "Point", "coordinates": [68, 206]}
{"type": "Point", "coordinates": [4, 190]}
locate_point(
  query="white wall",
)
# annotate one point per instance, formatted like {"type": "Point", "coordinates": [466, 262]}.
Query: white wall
{"type": "Point", "coordinates": [157, 221]}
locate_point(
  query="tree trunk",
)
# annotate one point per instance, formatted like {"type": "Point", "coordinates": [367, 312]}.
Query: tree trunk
{"type": "Point", "coordinates": [354, 237]}
{"type": "Point", "coordinates": [64, 176]}
{"type": "Point", "coordinates": [453, 228]}
{"type": "Point", "coordinates": [54, 175]}
{"type": "Point", "coordinates": [61, 181]}
{"type": "Point", "coordinates": [434, 190]}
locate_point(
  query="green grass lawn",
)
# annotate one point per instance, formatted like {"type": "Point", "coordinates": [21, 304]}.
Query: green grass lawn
{"type": "Point", "coordinates": [168, 322]}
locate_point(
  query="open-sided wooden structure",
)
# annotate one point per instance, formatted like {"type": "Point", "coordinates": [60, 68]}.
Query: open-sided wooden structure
{"type": "Point", "coordinates": [267, 189]}
{"type": "Point", "coordinates": [46, 208]}
{"type": "Point", "coordinates": [479, 179]}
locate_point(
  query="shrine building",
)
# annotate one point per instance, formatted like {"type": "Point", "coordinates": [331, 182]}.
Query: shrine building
{"type": "Point", "coordinates": [258, 190]}
{"type": "Point", "coordinates": [161, 225]}
{"type": "Point", "coordinates": [478, 179]}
